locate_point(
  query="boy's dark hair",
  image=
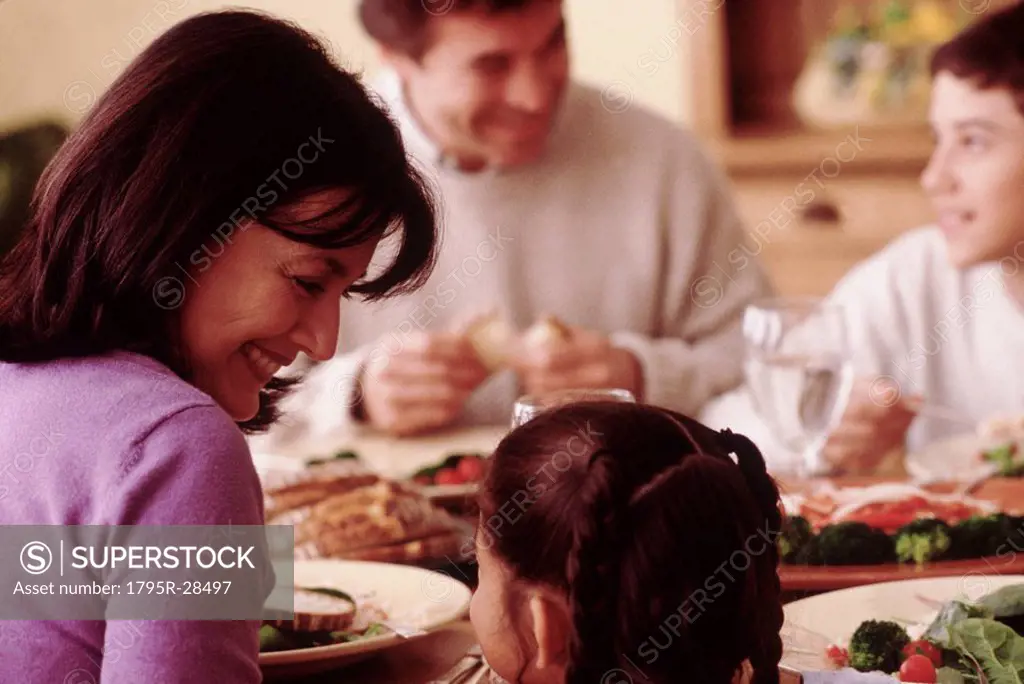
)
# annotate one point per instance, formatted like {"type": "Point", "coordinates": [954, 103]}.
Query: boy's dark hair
{"type": "Point", "coordinates": [192, 137]}
{"type": "Point", "coordinates": [402, 25]}
{"type": "Point", "coordinates": [990, 53]}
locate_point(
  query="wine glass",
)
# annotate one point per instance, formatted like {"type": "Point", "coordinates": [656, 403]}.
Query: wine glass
{"type": "Point", "coordinates": [799, 370]}
{"type": "Point", "coordinates": [530, 405]}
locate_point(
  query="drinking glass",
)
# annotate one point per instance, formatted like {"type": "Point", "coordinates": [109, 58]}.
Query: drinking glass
{"type": "Point", "coordinates": [530, 405]}
{"type": "Point", "coordinates": [799, 370]}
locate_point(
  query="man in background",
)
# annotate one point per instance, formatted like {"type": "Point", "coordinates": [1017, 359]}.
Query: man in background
{"type": "Point", "coordinates": [555, 203]}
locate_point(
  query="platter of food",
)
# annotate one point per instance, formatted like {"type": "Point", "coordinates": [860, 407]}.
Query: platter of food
{"type": "Point", "coordinates": [953, 630]}
{"type": "Point", "coordinates": [345, 611]}
{"type": "Point", "coordinates": [451, 482]}
{"type": "Point", "coordinates": [840, 534]}
{"type": "Point", "coordinates": [340, 509]}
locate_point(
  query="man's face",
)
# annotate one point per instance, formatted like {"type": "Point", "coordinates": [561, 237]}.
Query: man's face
{"type": "Point", "coordinates": [489, 85]}
{"type": "Point", "coordinates": [975, 178]}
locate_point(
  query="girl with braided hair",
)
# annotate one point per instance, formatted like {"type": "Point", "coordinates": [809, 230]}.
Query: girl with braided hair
{"type": "Point", "coordinates": [625, 543]}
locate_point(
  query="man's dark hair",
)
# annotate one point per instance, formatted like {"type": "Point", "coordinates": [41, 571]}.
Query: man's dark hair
{"type": "Point", "coordinates": [989, 53]}
{"type": "Point", "coordinates": [402, 25]}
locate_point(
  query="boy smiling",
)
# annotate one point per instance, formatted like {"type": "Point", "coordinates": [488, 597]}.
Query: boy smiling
{"type": "Point", "coordinates": [938, 315]}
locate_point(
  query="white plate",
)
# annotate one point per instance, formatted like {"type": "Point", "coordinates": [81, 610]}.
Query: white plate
{"type": "Point", "coordinates": [411, 597]}
{"type": "Point", "coordinates": [814, 623]}
{"type": "Point", "coordinates": [954, 458]}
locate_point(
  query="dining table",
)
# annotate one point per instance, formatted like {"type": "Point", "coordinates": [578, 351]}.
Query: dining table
{"type": "Point", "coordinates": [427, 658]}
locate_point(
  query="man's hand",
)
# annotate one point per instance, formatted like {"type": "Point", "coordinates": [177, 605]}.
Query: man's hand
{"type": "Point", "coordinates": [422, 387]}
{"type": "Point", "coordinates": [875, 423]}
{"type": "Point", "coordinates": [585, 360]}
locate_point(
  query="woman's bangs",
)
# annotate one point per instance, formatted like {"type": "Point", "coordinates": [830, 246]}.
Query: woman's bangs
{"type": "Point", "coordinates": [349, 223]}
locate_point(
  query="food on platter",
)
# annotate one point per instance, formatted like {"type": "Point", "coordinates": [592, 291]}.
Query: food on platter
{"type": "Point", "coordinates": [886, 506]}
{"type": "Point", "coordinates": [341, 510]}
{"type": "Point", "coordinates": [922, 541]}
{"type": "Point", "coordinates": [965, 642]}
{"type": "Point", "coordinates": [318, 610]}
{"type": "Point", "coordinates": [893, 524]}
{"type": "Point", "coordinates": [322, 617]}
{"type": "Point", "coordinates": [285, 490]}
{"type": "Point", "coordinates": [455, 469]}
{"type": "Point", "coordinates": [377, 522]}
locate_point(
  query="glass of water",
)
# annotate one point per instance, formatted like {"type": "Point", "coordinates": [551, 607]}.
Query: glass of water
{"type": "Point", "coordinates": [799, 370]}
{"type": "Point", "coordinates": [530, 405]}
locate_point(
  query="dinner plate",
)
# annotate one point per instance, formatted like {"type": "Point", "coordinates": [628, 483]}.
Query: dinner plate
{"type": "Point", "coordinates": [814, 623]}
{"type": "Point", "coordinates": [411, 597]}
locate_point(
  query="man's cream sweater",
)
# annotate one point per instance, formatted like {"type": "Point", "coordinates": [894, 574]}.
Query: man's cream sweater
{"type": "Point", "coordinates": [625, 226]}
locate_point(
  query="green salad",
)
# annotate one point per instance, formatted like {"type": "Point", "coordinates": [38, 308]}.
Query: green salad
{"type": "Point", "coordinates": [966, 643]}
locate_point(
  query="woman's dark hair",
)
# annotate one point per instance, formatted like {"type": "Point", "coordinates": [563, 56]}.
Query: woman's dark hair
{"type": "Point", "coordinates": [663, 544]}
{"type": "Point", "coordinates": [990, 53]}
{"type": "Point", "coordinates": [226, 117]}
{"type": "Point", "coordinates": [402, 25]}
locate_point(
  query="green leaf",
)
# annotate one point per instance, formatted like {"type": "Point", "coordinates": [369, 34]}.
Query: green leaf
{"type": "Point", "coordinates": [429, 471]}
{"type": "Point", "coordinates": [336, 593]}
{"type": "Point", "coordinates": [343, 454]}
{"type": "Point", "coordinates": [998, 650]}
{"type": "Point", "coordinates": [1006, 601]}
{"type": "Point", "coordinates": [947, 675]}
{"type": "Point", "coordinates": [375, 629]}
{"type": "Point", "coordinates": [452, 460]}
{"type": "Point", "coordinates": [274, 639]}
{"type": "Point", "coordinates": [952, 613]}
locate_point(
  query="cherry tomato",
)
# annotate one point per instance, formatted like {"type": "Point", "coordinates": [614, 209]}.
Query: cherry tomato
{"type": "Point", "coordinates": [838, 656]}
{"type": "Point", "coordinates": [918, 669]}
{"type": "Point", "coordinates": [471, 468]}
{"type": "Point", "coordinates": [925, 648]}
{"type": "Point", "coordinates": [448, 476]}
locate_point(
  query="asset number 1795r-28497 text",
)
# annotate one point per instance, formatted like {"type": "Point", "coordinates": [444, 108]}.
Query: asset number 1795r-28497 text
{"type": "Point", "coordinates": [170, 588]}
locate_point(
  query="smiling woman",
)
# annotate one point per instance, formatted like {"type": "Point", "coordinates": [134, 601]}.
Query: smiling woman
{"type": "Point", "coordinates": [191, 238]}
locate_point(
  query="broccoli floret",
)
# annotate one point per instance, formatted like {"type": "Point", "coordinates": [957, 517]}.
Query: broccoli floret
{"type": "Point", "coordinates": [851, 543]}
{"type": "Point", "coordinates": [878, 645]}
{"type": "Point", "coordinates": [796, 535]}
{"type": "Point", "coordinates": [922, 540]}
{"type": "Point", "coordinates": [980, 536]}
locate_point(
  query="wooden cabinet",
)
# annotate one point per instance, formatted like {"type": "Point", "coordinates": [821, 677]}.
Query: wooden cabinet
{"type": "Point", "coordinates": [810, 231]}
{"type": "Point", "coordinates": [816, 202]}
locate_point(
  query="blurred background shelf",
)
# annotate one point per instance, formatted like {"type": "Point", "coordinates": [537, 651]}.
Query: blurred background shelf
{"type": "Point", "coordinates": [753, 150]}
{"type": "Point", "coordinates": [747, 60]}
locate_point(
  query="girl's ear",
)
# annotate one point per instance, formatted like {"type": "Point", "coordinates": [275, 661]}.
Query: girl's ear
{"type": "Point", "coordinates": [551, 624]}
